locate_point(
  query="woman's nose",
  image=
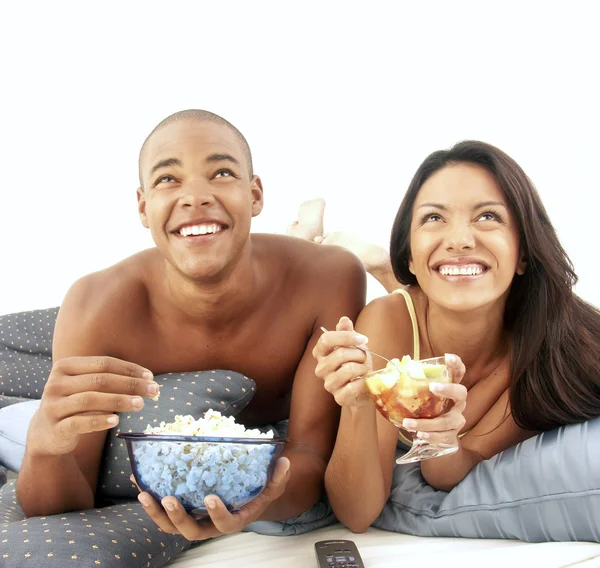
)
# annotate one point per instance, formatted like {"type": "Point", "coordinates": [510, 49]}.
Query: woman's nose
{"type": "Point", "coordinates": [460, 238]}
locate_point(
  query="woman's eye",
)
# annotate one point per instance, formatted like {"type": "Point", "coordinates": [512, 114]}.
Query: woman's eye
{"type": "Point", "coordinates": [433, 217]}
{"type": "Point", "coordinates": [487, 217]}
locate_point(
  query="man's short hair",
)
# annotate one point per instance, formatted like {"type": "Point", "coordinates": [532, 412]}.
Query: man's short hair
{"type": "Point", "coordinates": [202, 116]}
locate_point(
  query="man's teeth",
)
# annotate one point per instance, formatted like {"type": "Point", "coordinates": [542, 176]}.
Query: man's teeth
{"type": "Point", "coordinates": [203, 229]}
{"type": "Point", "coordinates": [462, 270]}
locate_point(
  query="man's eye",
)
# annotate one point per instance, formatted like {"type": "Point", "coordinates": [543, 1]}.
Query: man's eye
{"type": "Point", "coordinates": [165, 179]}
{"type": "Point", "coordinates": [224, 173]}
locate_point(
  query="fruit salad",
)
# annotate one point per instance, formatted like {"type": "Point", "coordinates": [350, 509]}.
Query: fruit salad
{"type": "Point", "coordinates": [401, 389]}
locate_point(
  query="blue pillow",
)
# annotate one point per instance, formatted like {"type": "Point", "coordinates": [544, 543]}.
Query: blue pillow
{"type": "Point", "coordinates": [14, 424]}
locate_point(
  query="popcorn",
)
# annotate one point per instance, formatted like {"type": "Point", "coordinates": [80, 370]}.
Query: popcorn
{"type": "Point", "coordinates": [190, 471]}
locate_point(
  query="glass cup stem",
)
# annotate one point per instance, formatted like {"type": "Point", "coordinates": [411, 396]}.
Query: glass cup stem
{"type": "Point", "coordinates": [424, 450]}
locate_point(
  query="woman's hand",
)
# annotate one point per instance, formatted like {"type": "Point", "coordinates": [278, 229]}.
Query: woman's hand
{"type": "Point", "coordinates": [341, 365]}
{"type": "Point", "coordinates": [445, 428]}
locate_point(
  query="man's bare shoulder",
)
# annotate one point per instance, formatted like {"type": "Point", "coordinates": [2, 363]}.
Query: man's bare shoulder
{"type": "Point", "coordinates": [116, 291]}
{"type": "Point", "coordinates": [307, 260]}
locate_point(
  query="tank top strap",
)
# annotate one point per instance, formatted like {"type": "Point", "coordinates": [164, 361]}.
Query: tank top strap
{"type": "Point", "coordinates": [413, 319]}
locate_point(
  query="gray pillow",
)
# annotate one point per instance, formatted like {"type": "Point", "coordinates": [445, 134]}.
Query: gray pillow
{"type": "Point", "coordinates": [25, 353]}
{"type": "Point", "coordinates": [544, 489]}
{"type": "Point", "coordinates": [180, 393]}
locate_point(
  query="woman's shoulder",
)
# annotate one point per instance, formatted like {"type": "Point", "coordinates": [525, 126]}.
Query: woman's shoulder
{"type": "Point", "coordinates": [387, 322]}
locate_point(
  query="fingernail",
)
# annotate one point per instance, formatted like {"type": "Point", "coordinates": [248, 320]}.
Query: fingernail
{"type": "Point", "coordinates": [144, 499]}
{"type": "Point", "coordinates": [409, 423]}
{"type": "Point", "coordinates": [361, 338]}
{"type": "Point", "coordinates": [168, 505]}
{"type": "Point", "coordinates": [436, 387]}
{"type": "Point", "coordinates": [210, 503]}
{"type": "Point", "coordinates": [451, 358]}
{"type": "Point", "coordinates": [423, 435]}
{"type": "Point", "coordinates": [153, 388]}
{"type": "Point", "coordinates": [137, 402]}
{"type": "Point", "coordinates": [147, 375]}
{"type": "Point", "coordinates": [112, 420]}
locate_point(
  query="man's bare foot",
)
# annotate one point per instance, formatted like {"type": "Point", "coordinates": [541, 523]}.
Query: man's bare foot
{"type": "Point", "coordinates": [310, 220]}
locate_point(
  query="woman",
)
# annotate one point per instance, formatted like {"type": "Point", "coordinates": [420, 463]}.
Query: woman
{"type": "Point", "coordinates": [491, 284]}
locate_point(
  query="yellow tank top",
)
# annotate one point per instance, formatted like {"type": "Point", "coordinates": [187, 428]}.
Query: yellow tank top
{"type": "Point", "coordinates": [416, 350]}
{"type": "Point", "coordinates": [416, 345]}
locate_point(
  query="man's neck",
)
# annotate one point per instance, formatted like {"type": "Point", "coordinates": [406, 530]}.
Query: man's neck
{"type": "Point", "coordinates": [216, 303]}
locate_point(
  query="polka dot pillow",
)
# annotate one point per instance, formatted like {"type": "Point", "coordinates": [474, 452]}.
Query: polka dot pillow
{"type": "Point", "coordinates": [26, 352]}
{"type": "Point", "coordinates": [180, 393]}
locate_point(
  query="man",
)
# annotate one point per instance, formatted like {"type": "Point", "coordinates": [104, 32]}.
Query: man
{"type": "Point", "coordinates": [209, 296]}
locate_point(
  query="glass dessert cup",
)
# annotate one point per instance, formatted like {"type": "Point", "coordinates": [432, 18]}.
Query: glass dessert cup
{"type": "Point", "coordinates": [401, 390]}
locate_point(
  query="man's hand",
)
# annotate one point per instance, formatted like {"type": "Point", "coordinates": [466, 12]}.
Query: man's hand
{"type": "Point", "coordinates": [173, 519]}
{"type": "Point", "coordinates": [81, 396]}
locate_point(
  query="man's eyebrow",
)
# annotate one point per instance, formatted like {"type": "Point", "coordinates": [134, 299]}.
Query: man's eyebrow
{"type": "Point", "coordinates": [165, 164]}
{"type": "Point", "coordinates": [222, 158]}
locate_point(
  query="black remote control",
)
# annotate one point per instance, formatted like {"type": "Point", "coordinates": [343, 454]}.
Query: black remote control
{"type": "Point", "coordinates": [338, 554]}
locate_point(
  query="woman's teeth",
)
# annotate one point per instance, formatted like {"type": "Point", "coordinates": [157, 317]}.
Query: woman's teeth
{"type": "Point", "coordinates": [462, 270]}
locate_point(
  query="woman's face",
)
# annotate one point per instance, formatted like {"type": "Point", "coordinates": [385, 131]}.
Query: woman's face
{"type": "Point", "coordinates": [464, 239]}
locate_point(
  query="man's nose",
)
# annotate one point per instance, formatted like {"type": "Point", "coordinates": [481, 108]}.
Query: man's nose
{"type": "Point", "coordinates": [196, 194]}
{"type": "Point", "coordinates": [460, 237]}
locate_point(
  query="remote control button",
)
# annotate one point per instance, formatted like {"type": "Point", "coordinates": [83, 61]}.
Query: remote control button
{"type": "Point", "coordinates": [351, 559]}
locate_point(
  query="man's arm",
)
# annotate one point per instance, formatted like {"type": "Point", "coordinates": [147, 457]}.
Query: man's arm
{"type": "Point", "coordinates": [314, 414]}
{"type": "Point", "coordinates": [67, 433]}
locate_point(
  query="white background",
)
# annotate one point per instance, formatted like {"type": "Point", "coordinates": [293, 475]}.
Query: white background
{"type": "Point", "coordinates": [341, 100]}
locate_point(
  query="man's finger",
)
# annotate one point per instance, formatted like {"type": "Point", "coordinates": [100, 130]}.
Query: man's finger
{"type": "Point", "coordinates": [103, 364]}
{"type": "Point", "coordinates": [157, 513]}
{"type": "Point", "coordinates": [227, 523]}
{"type": "Point", "coordinates": [107, 383]}
{"type": "Point", "coordinates": [185, 524]}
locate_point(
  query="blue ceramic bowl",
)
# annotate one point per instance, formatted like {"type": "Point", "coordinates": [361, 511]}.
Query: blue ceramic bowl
{"type": "Point", "coordinates": [191, 467]}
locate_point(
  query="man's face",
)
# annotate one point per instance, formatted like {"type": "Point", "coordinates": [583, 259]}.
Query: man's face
{"type": "Point", "coordinates": [198, 198]}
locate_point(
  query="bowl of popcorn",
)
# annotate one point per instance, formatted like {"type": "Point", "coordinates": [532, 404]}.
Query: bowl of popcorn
{"type": "Point", "coordinates": [189, 459]}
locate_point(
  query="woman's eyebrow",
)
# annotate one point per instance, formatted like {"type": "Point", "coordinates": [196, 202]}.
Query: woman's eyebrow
{"type": "Point", "coordinates": [477, 206]}
{"type": "Point", "coordinates": [490, 204]}
{"type": "Point", "coordinates": [435, 205]}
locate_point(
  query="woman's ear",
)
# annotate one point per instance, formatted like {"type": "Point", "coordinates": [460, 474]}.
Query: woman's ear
{"type": "Point", "coordinates": [521, 265]}
{"type": "Point", "coordinates": [411, 266]}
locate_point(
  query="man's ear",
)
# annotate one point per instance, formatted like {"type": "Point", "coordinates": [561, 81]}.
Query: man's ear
{"type": "Point", "coordinates": [257, 195]}
{"type": "Point", "coordinates": [141, 198]}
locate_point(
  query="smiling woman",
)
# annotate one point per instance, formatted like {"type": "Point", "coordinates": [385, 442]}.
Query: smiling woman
{"type": "Point", "coordinates": [487, 281]}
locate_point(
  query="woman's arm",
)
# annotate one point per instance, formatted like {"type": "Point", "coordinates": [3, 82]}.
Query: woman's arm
{"type": "Point", "coordinates": [359, 475]}
{"type": "Point", "coordinates": [495, 432]}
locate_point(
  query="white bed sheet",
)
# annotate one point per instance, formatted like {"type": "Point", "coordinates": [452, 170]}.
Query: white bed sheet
{"type": "Point", "coordinates": [382, 549]}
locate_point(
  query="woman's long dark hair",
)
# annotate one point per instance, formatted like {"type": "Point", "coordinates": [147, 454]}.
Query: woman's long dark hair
{"type": "Point", "coordinates": [555, 345]}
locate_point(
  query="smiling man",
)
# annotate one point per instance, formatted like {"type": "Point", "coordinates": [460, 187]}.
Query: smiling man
{"type": "Point", "coordinates": [210, 295]}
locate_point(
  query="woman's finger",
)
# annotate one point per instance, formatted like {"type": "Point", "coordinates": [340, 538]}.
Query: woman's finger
{"type": "Point", "coordinates": [452, 420]}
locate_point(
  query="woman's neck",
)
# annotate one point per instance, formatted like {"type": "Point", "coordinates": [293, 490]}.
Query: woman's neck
{"type": "Point", "coordinates": [478, 337]}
